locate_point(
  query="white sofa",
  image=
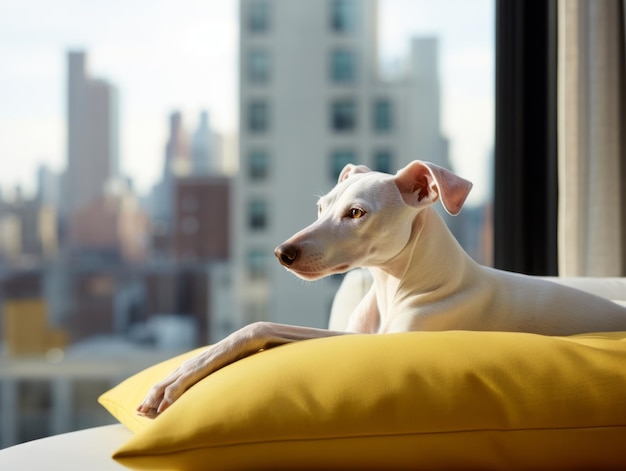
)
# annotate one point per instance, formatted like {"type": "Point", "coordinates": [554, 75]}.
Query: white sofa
{"type": "Point", "coordinates": [357, 282]}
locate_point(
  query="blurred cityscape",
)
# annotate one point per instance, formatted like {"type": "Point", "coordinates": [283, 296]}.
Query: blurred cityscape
{"type": "Point", "coordinates": [98, 281]}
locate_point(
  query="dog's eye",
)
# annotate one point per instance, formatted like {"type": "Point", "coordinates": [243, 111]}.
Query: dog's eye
{"type": "Point", "coordinates": [356, 213]}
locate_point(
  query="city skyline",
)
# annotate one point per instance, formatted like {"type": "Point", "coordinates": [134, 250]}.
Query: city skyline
{"type": "Point", "coordinates": [189, 77]}
{"type": "Point", "coordinates": [113, 277]}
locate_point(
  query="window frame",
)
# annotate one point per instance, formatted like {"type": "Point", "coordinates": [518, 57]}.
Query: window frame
{"type": "Point", "coordinates": [383, 122]}
{"type": "Point", "coordinates": [339, 158]}
{"type": "Point", "coordinates": [343, 66]}
{"type": "Point", "coordinates": [344, 115]}
{"type": "Point", "coordinates": [389, 154]}
{"type": "Point", "coordinates": [256, 172]}
{"type": "Point", "coordinates": [258, 119]}
{"type": "Point", "coordinates": [259, 67]}
{"type": "Point", "coordinates": [257, 215]}
{"type": "Point", "coordinates": [259, 17]}
{"type": "Point", "coordinates": [343, 16]}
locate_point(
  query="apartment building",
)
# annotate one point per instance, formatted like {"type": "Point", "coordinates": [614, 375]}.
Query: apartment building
{"type": "Point", "coordinates": [312, 100]}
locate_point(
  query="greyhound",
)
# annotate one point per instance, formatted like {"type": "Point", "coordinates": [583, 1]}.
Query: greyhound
{"type": "Point", "coordinates": [422, 279]}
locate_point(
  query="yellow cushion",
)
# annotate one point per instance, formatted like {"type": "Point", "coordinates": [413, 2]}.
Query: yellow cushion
{"type": "Point", "coordinates": [420, 400]}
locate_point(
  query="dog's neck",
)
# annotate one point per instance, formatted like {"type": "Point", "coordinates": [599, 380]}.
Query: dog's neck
{"type": "Point", "coordinates": [431, 265]}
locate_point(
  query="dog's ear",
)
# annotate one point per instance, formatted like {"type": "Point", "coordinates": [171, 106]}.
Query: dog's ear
{"type": "Point", "coordinates": [422, 183]}
{"type": "Point", "coordinates": [351, 169]}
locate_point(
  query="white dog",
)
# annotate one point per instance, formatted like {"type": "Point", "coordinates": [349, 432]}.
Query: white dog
{"type": "Point", "coordinates": [423, 280]}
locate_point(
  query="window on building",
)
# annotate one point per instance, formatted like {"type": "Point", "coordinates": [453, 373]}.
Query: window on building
{"type": "Point", "coordinates": [258, 67]}
{"type": "Point", "coordinates": [258, 163]}
{"type": "Point", "coordinates": [189, 225]}
{"type": "Point", "coordinates": [343, 66]}
{"type": "Point", "coordinates": [383, 161]}
{"type": "Point", "coordinates": [343, 116]}
{"type": "Point", "coordinates": [383, 115]}
{"type": "Point", "coordinates": [257, 214]}
{"type": "Point", "coordinates": [257, 263]}
{"type": "Point", "coordinates": [258, 116]}
{"type": "Point", "coordinates": [343, 16]}
{"type": "Point", "coordinates": [339, 159]}
{"type": "Point", "coordinates": [259, 17]}
{"type": "Point", "coordinates": [189, 203]}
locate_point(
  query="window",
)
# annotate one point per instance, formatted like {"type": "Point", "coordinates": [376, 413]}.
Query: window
{"type": "Point", "coordinates": [258, 165]}
{"type": "Point", "coordinates": [257, 263]}
{"type": "Point", "coordinates": [383, 161]}
{"type": "Point", "coordinates": [343, 16]}
{"type": "Point", "coordinates": [258, 117]}
{"type": "Point", "coordinates": [259, 17]}
{"type": "Point", "coordinates": [338, 160]}
{"type": "Point", "coordinates": [189, 225]}
{"type": "Point", "coordinates": [272, 72]}
{"type": "Point", "coordinates": [343, 116]}
{"type": "Point", "coordinates": [257, 215]}
{"type": "Point", "coordinates": [383, 115]}
{"type": "Point", "coordinates": [258, 67]}
{"type": "Point", "coordinates": [343, 66]}
{"type": "Point", "coordinates": [189, 203]}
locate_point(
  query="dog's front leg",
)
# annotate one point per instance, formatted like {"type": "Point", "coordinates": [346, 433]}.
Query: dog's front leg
{"type": "Point", "coordinates": [242, 343]}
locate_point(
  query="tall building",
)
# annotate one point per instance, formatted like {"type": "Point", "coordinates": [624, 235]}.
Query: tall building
{"type": "Point", "coordinates": [425, 96]}
{"type": "Point", "coordinates": [205, 156]}
{"type": "Point", "coordinates": [312, 101]}
{"type": "Point", "coordinates": [48, 187]}
{"type": "Point", "coordinates": [177, 158]}
{"type": "Point", "coordinates": [93, 134]}
{"type": "Point", "coordinates": [177, 164]}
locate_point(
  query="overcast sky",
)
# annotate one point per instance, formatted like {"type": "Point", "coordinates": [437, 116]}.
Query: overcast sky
{"type": "Point", "coordinates": [166, 55]}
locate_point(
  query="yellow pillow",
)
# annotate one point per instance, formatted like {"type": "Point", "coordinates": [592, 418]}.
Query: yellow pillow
{"type": "Point", "coordinates": [420, 400]}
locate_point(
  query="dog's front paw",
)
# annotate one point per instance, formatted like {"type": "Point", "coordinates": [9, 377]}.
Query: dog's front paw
{"type": "Point", "coordinates": [153, 404]}
{"type": "Point", "coordinates": [145, 410]}
{"type": "Point", "coordinates": [163, 394]}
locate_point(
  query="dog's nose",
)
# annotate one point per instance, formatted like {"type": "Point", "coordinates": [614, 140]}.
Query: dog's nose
{"type": "Point", "coordinates": [286, 254]}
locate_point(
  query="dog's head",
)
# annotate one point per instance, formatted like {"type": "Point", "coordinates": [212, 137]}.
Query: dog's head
{"type": "Point", "coordinates": [367, 218]}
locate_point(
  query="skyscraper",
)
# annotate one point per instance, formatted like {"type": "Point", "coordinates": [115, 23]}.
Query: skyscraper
{"type": "Point", "coordinates": [177, 160]}
{"type": "Point", "coordinates": [205, 155]}
{"type": "Point", "coordinates": [92, 134]}
{"type": "Point", "coordinates": [177, 164]}
{"type": "Point", "coordinates": [48, 186]}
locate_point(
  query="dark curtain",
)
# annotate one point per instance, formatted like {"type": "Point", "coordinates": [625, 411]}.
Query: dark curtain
{"type": "Point", "coordinates": [525, 200]}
